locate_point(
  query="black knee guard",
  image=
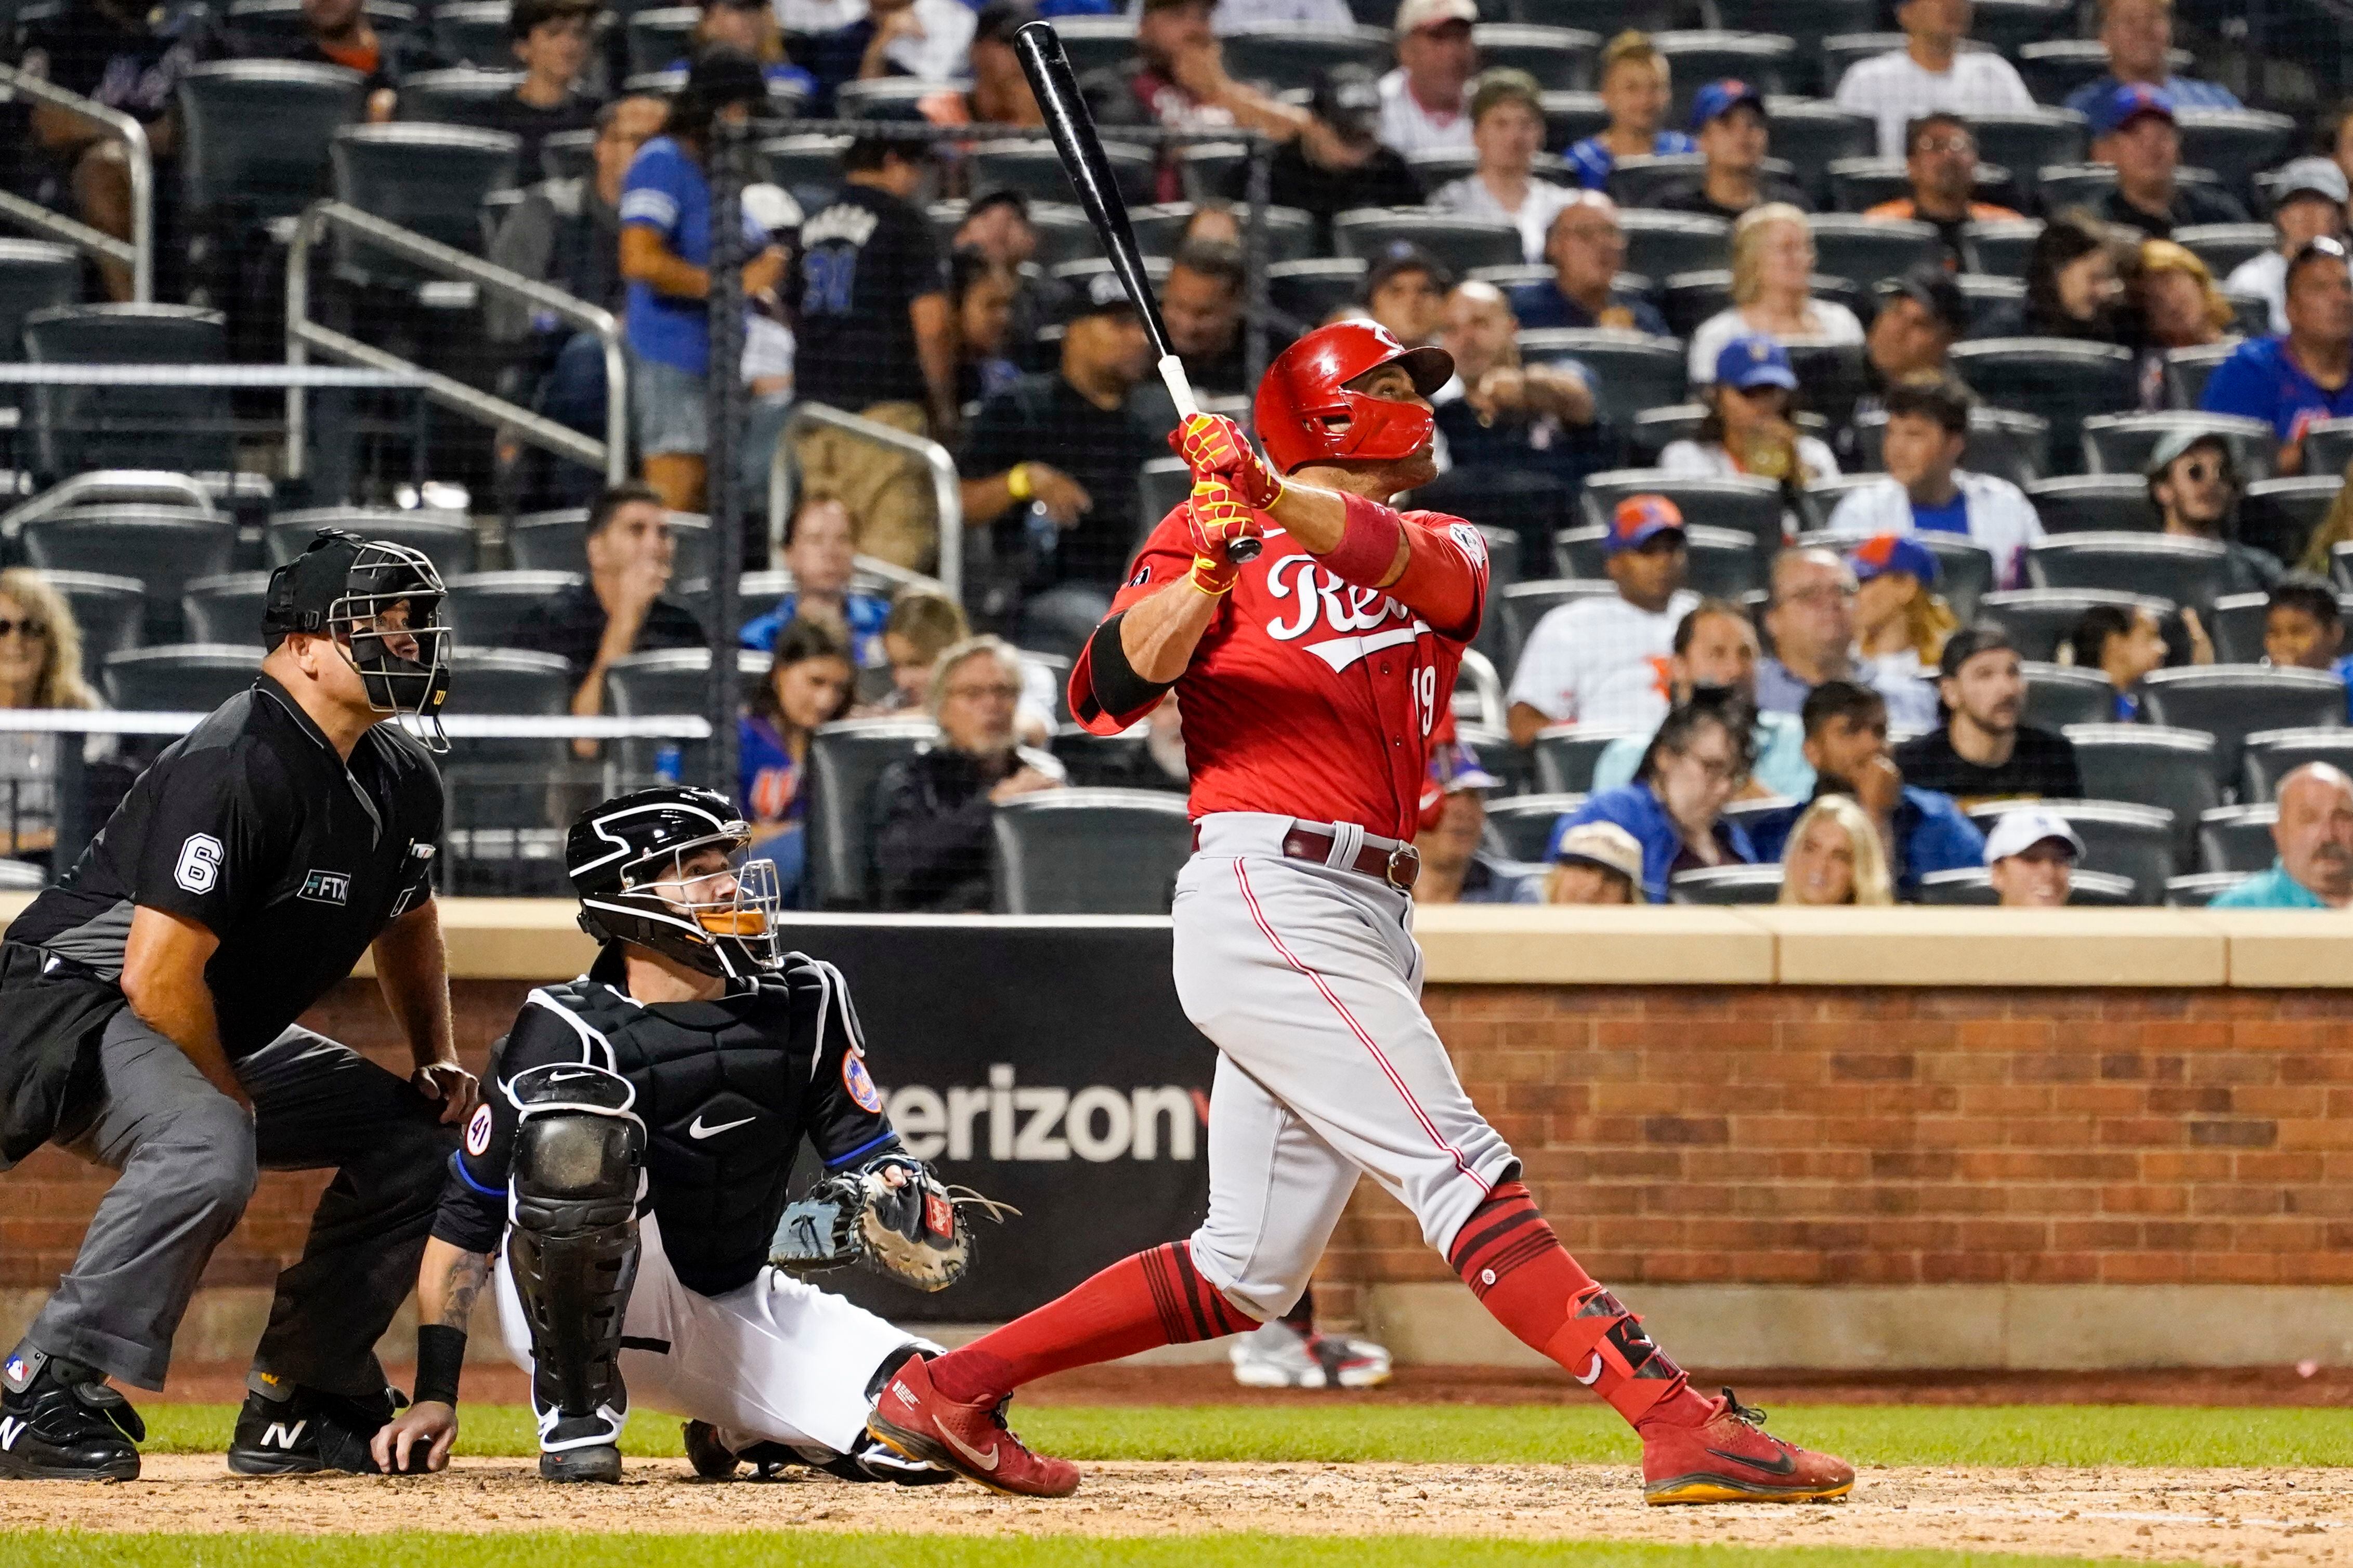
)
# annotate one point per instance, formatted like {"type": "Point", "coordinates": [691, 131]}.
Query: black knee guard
{"type": "Point", "coordinates": [572, 1247]}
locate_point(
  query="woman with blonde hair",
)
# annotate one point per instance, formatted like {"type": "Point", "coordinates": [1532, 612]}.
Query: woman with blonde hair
{"type": "Point", "coordinates": [2181, 307]}
{"type": "Point", "coordinates": [1772, 291]}
{"type": "Point", "coordinates": [1834, 857]}
{"type": "Point", "coordinates": [2336, 528]}
{"type": "Point", "coordinates": [40, 666]}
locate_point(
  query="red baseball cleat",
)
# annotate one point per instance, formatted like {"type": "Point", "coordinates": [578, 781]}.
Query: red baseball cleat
{"type": "Point", "coordinates": [913, 1419]}
{"type": "Point", "coordinates": [1727, 1458]}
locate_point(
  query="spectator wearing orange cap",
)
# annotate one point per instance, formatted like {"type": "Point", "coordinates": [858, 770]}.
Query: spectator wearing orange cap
{"type": "Point", "coordinates": [1605, 659]}
{"type": "Point", "coordinates": [1901, 623]}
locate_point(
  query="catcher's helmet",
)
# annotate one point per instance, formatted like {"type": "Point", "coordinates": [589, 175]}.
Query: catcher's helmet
{"type": "Point", "coordinates": [1307, 413]}
{"type": "Point", "coordinates": [350, 589]}
{"type": "Point", "coordinates": [624, 859]}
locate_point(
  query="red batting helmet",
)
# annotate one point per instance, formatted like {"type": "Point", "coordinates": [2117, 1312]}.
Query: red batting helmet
{"type": "Point", "coordinates": [1305, 411]}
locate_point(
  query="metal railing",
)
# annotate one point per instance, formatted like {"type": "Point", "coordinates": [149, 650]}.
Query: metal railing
{"type": "Point", "coordinates": [137, 253]}
{"type": "Point", "coordinates": [947, 496]}
{"type": "Point", "coordinates": [302, 334]}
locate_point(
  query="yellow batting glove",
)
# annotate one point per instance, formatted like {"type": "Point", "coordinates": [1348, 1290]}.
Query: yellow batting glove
{"type": "Point", "coordinates": [1215, 517]}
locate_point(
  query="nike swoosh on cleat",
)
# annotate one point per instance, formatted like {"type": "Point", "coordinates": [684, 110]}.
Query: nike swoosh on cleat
{"type": "Point", "coordinates": [985, 1461]}
{"type": "Point", "coordinates": [1787, 1465]}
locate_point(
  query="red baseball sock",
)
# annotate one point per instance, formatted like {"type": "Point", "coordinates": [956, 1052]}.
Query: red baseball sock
{"type": "Point", "coordinates": [1521, 1273]}
{"type": "Point", "coordinates": [1155, 1298]}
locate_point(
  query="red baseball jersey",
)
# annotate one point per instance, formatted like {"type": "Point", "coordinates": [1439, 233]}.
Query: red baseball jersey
{"type": "Point", "coordinates": [1308, 696]}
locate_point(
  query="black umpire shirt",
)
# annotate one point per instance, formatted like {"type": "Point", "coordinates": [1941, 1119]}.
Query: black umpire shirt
{"type": "Point", "coordinates": [1044, 419]}
{"type": "Point", "coordinates": [571, 624]}
{"type": "Point", "coordinates": [251, 827]}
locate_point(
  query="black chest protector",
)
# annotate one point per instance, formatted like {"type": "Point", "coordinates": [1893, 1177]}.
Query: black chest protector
{"type": "Point", "coordinates": [724, 1090]}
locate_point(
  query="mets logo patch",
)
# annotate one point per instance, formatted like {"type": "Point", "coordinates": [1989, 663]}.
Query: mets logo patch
{"type": "Point", "coordinates": [860, 1086]}
{"type": "Point", "coordinates": [478, 1133]}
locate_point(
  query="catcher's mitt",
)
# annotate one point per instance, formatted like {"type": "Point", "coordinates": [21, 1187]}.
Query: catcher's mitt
{"type": "Point", "coordinates": [915, 1233]}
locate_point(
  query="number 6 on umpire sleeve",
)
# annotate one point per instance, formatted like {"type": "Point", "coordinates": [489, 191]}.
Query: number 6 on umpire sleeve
{"type": "Point", "coordinates": [199, 868]}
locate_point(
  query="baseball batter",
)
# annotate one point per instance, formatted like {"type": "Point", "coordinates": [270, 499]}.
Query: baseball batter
{"type": "Point", "coordinates": [1311, 680]}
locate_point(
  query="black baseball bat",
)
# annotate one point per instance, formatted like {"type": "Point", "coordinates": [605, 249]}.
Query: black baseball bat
{"type": "Point", "coordinates": [1072, 127]}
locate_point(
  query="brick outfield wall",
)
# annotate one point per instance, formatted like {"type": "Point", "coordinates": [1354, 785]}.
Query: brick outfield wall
{"type": "Point", "coordinates": [1759, 1135]}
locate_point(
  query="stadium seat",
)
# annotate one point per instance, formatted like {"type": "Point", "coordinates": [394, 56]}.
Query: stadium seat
{"type": "Point", "coordinates": [461, 96]}
{"type": "Point", "coordinates": [1523, 605]}
{"type": "Point", "coordinates": [1660, 245]}
{"type": "Point", "coordinates": [2120, 838]}
{"type": "Point", "coordinates": [661, 35]}
{"type": "Point", "coordinates": [1723, 562]}
{"type": "Point", "coordinates": [668, 682]}
{"type": "Point", "coordinates": [2054, 68]}
{"type": "Point", "coordinates": [179, 678]}
{"type": "Point", "coordinates": [2279, 515]}
{"type": "Point", "coordinates": [2002, 441]}
{"type": "Point", "coordinates": [1291, 233]}
{"type": "Point", "coordinates": [1868, 250]}
{"type": "Point", "coordinates": [2223, 246]}
{"type": "Point", "coordinates": [1628, 371]}
{"type": "Point", "coordinates": [1999, 248]}
{"type": "Point", "coordinates": [255, 134]}
{"type": "Point", "coordinates": [474, 33]}
{"type": "Point", "coordinates": [2094, 503]}
{"type": "Point", "coordinates": [1095, 42]}
{"type": "Point", "coordinates": [1694, 58]}
{"type": "Point", "coordinates": [1570, 116]}
{"type": "Point", "coordinates": [2236, 624]}
{"type": "Point", "coordinates": [1478, 677]}
{"type": "Point", "coordinates": [1098, 762]}
{"type": "Point", "coordinates": [1832, 379]}
{"type": "Point", "coordinates": [1742, 504]}
{"type": "Point", "coordinates": [1560, 58]}
{"type": "Point", "coordinates": [1813, 135]}
{"type": "Point", "coordinates": [1160, 484]}
{"type": "Point", "coordinates": [35, 275]}
{"type": "Point", "coordinates": [110, 610]}
{"type": "Point", "coordinates": [2236, 143]}
{"type": "Point", "coordinates": [1292, 54]}
{"type": "Point", "coordinates": [2008, 26]}
{"type": "Point", "coordinates": [1857, 184]}
{"type": "Point", "coordinates": [2231, 702]}
{"type": "Point", "coordinates": [429, 178]}
{"type": "Point", "coordinates": [1459, 244]}
{"type": "Point", "coordinates": [1525, 823]}
{"type": "Point", "coordinates": [2150, 765]}
{"type": "Point", "coordinates": [1727, 885]}
{"type": "Point", "coordinates": [1035, 169]}
{"type": "Point", "coordinates": [2058, 695]}
{"type": "Point", "coordinates": [507, 682]}
{"type": "Point", "coordinates": [485, 607]}
{"type": "Point", "coordinates": [2060, 380]}
{"type": "Point", "coordinates": [1566, 755]}
{"type": "Point", "coordinates": [279, 23]}
{"type": "Point", "coordinates": [566, 156]}
{"type": "Point", "coordinates": [1972, 886]}
{"type": "Point", "coordinates": [2200, 888]}
{"type": "Point", "coordinates": [1209, 168]}
{"type": "Point", "coordinates": [1536, 506]}
{"type": "Point", "coordinates": [2156, 566]}
{"type": "Point", "coordinates": [2236, 840]}
{"type": "Point", "coordinates": [2328, 443]}
{"type": "Point", "coordinates": [1988, 298]}
{"type": "Point", "coordinates": [1652, 431]}
{"type": "Point", "coordinates": [446, 539]}
{"type": "Point", "coordinates": [2186, 371]}
{"type": "Point", "coordinates": [2039, 619]}
{"type": "Point", "coordinates": [556, 542]}
{"type": "Point", "coordinates": [1090, 852]}
{"type": "Point", "coordinates": [79, 428]}
{"type": "Point", "coordinates": [2024, 141]}
{"type": "Point", "coordinates": [150, 544]}
{"type": "Point", "coordinates": [805, 162]}
{"type": "Point", "coordinates": [2270, 756]}
{"type": "Point", "coordinates": [1688, 298]}
{"type": "Point", "coordinates": [1637, 180]}
{"type": "Point", "coordinates": [2124, 443]}
{"type": "Point", "coordinates": [226, 608]}
{"type": "Point", "coordinates": [1155, 267]}
{"type": "Point", "coordinates": [845, 762]}
{"type": "Point", "coordinates": [885, 97]}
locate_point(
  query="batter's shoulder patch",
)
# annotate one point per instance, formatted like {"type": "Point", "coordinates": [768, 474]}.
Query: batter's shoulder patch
{"type": "Point", "coordinates": [860, 1085]}
{"type": "Point", "coordinates": [1143, 575]}
{"type": "Point", "coordinates": [1473, 542]}
{"type": "Point", "coordinates": [478, 1133]}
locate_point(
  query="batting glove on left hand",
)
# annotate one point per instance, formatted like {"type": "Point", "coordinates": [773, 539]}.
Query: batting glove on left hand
{"type": "Point", "coordinates": [1216, 519]}
{"type": "Point", "coordinates": [1214, 447]}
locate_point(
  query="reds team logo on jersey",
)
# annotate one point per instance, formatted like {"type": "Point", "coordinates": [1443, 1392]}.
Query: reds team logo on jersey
{"type": "Point", "coordinates": [1363, 621]}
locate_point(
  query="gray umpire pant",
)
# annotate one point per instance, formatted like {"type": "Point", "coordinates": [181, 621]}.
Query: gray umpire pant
{"type": "Point", "coordinates": [188, 1161]}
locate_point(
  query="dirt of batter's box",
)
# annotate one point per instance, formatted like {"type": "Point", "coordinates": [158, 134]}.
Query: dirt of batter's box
{"type": "Point", "coordinates": [2278, 1518]}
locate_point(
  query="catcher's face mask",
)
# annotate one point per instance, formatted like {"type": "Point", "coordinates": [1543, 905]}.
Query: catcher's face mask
{"type": "Point", "coordinates": [724, 911]}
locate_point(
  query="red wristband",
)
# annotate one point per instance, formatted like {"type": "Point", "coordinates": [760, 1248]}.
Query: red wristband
{"type": "Point", "coordinates": [1368, 543]}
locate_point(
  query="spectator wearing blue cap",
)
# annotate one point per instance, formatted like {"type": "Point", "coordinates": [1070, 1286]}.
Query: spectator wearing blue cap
{"type": "Point", "coordinates": [1636, 86]}
{"type": "Point", "coordinates": [1603, 660]}
{"type": "Point", "coordinates": [1927, 490]}
{"type": "Point", "coordinates": [1772, 292]}
{"type": "Point", "coordinates": [1921, 830]}
{"type": "Point", "coordinates": [1747, 430]}
{"type": "Point", "coordinates": [1674, 808]}
{"type": "Point", "coordinates": [1455, 869]}
{"type": "Point", "coordinates": [1933, 70]}
{"type": "Point", "coordinates": [1728, 123]}
{"type": "Point", "coordinates": [2304, 374]}
{"type": "Point", "coordinates": [1901, 623]}
{"type": "Point", "coordinates": [1715, 646]}
{"type": "Point", "coordinates": [2308, 202]}
{"type": "Point", "coordinates": [2140, 38]}
{"type": "Point", "coordinates": [2134, 130]}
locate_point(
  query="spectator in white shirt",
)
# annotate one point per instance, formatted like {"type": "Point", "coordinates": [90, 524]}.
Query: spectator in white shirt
{"type": "Point", "coordinates": [1422, 99]}
{"type": "Point", "coordinates": [1927, 490]}
{"type": "Point", "coordinates": [930, 40]}
{"type": "Point", "coordinates": [1605, 659]}
{"type": "Point", "coordinates": [1931, 71]}
{"type": "Point", "coordinates": [1507, 127]}
{"type": "Point", "coordinates": [2308, 203]}
{"type": "Point", "coordinates": [1747, 428]}
{"type": "Point", "coordinates": [1772, 292]}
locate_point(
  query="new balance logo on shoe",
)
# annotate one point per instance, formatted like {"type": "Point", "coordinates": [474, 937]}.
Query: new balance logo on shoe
{"type": "Point", "coordinates": [277, 1435]}
{"type": "Point", "coordinates": [11, 1428]}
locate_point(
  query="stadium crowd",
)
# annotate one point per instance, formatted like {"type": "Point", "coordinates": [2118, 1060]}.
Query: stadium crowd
{"type": "Point", "coordinates": [1922, 488]}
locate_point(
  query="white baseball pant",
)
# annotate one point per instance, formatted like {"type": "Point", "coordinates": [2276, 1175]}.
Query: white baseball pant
{"type": "Point", "coordinates": [775, 1360]}
{"type": "Point", "coordinates": [1308, 980]}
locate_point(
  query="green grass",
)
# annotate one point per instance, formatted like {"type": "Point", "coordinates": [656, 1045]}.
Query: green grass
{"type": "Point", "coordinates": [73, 1549]}
{"type": "Point", "coordinates": [1525, 1434]}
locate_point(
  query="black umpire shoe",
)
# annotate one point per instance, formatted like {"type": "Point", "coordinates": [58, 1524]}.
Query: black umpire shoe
{"type": "Point", "coordinates": [308, 1433]}
{"type": "Point", "coordinates": [590, 1462]}
{"type": "Point", "coordinates": [65, 1424]}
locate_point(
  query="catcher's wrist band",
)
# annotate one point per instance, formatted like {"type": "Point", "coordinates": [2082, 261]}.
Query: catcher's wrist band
{"type": "Point", "coordinates": [1019, 482]}
{"type": "Point", "coordinates": [440, 1352]}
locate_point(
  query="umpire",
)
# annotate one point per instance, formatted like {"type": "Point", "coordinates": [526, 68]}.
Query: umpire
{"type": "Point", "coordinates": [147, 1005]}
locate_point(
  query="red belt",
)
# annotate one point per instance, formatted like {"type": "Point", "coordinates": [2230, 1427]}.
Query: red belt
{"type": "Point", "coordinates": [1400, 867]}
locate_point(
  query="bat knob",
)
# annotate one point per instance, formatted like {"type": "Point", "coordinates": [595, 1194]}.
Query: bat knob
{"type": "Point", "coordinates": [1242, 552]}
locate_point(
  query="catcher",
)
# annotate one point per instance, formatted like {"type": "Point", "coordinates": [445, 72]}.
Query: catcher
{"type": "Point", "coordinates": [631, 1159]}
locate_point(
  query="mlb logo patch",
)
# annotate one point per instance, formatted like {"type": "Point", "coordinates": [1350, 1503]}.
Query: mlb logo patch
{"type": "Point", "coordinates": [16, 1370]}
{"type": "Point", "coordinates": [327, 887]}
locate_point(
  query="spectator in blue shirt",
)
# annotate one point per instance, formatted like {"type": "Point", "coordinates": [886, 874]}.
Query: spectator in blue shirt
{"type": "Point", "coordinates": [2314, 836]}
{"type": "Point", "coordinates": [1846, 741]}
{"type": "Point", "coordinates": [819, 552]}
{"type": "Point", "coordinates": [1674, 808]}
{"type": "Point", "coordinates": [2123, 643]}
{"type": "Point", "coordinates": [2140, 35]}
{"type": "Point", "coordinates": [2305, 375]}
{"type": "Point", "coordinates": [1715, 646]}
{"type": "Point", "coordinates": [809, 683]}
{"type": "Point", "coordinates": [666, 256]}
{"type": "Point", "coordinates": [2303, 628]}
{"type": "Point", "coordinates": [1587, 246]}
{"type": "Point", "coordinates": [1635, 89]}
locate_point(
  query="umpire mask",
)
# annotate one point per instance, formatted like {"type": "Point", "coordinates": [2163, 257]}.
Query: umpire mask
{"type": "Point", "coordinates": [381, 605]}
{"type": "Point", "coordinates": [663, 868]}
